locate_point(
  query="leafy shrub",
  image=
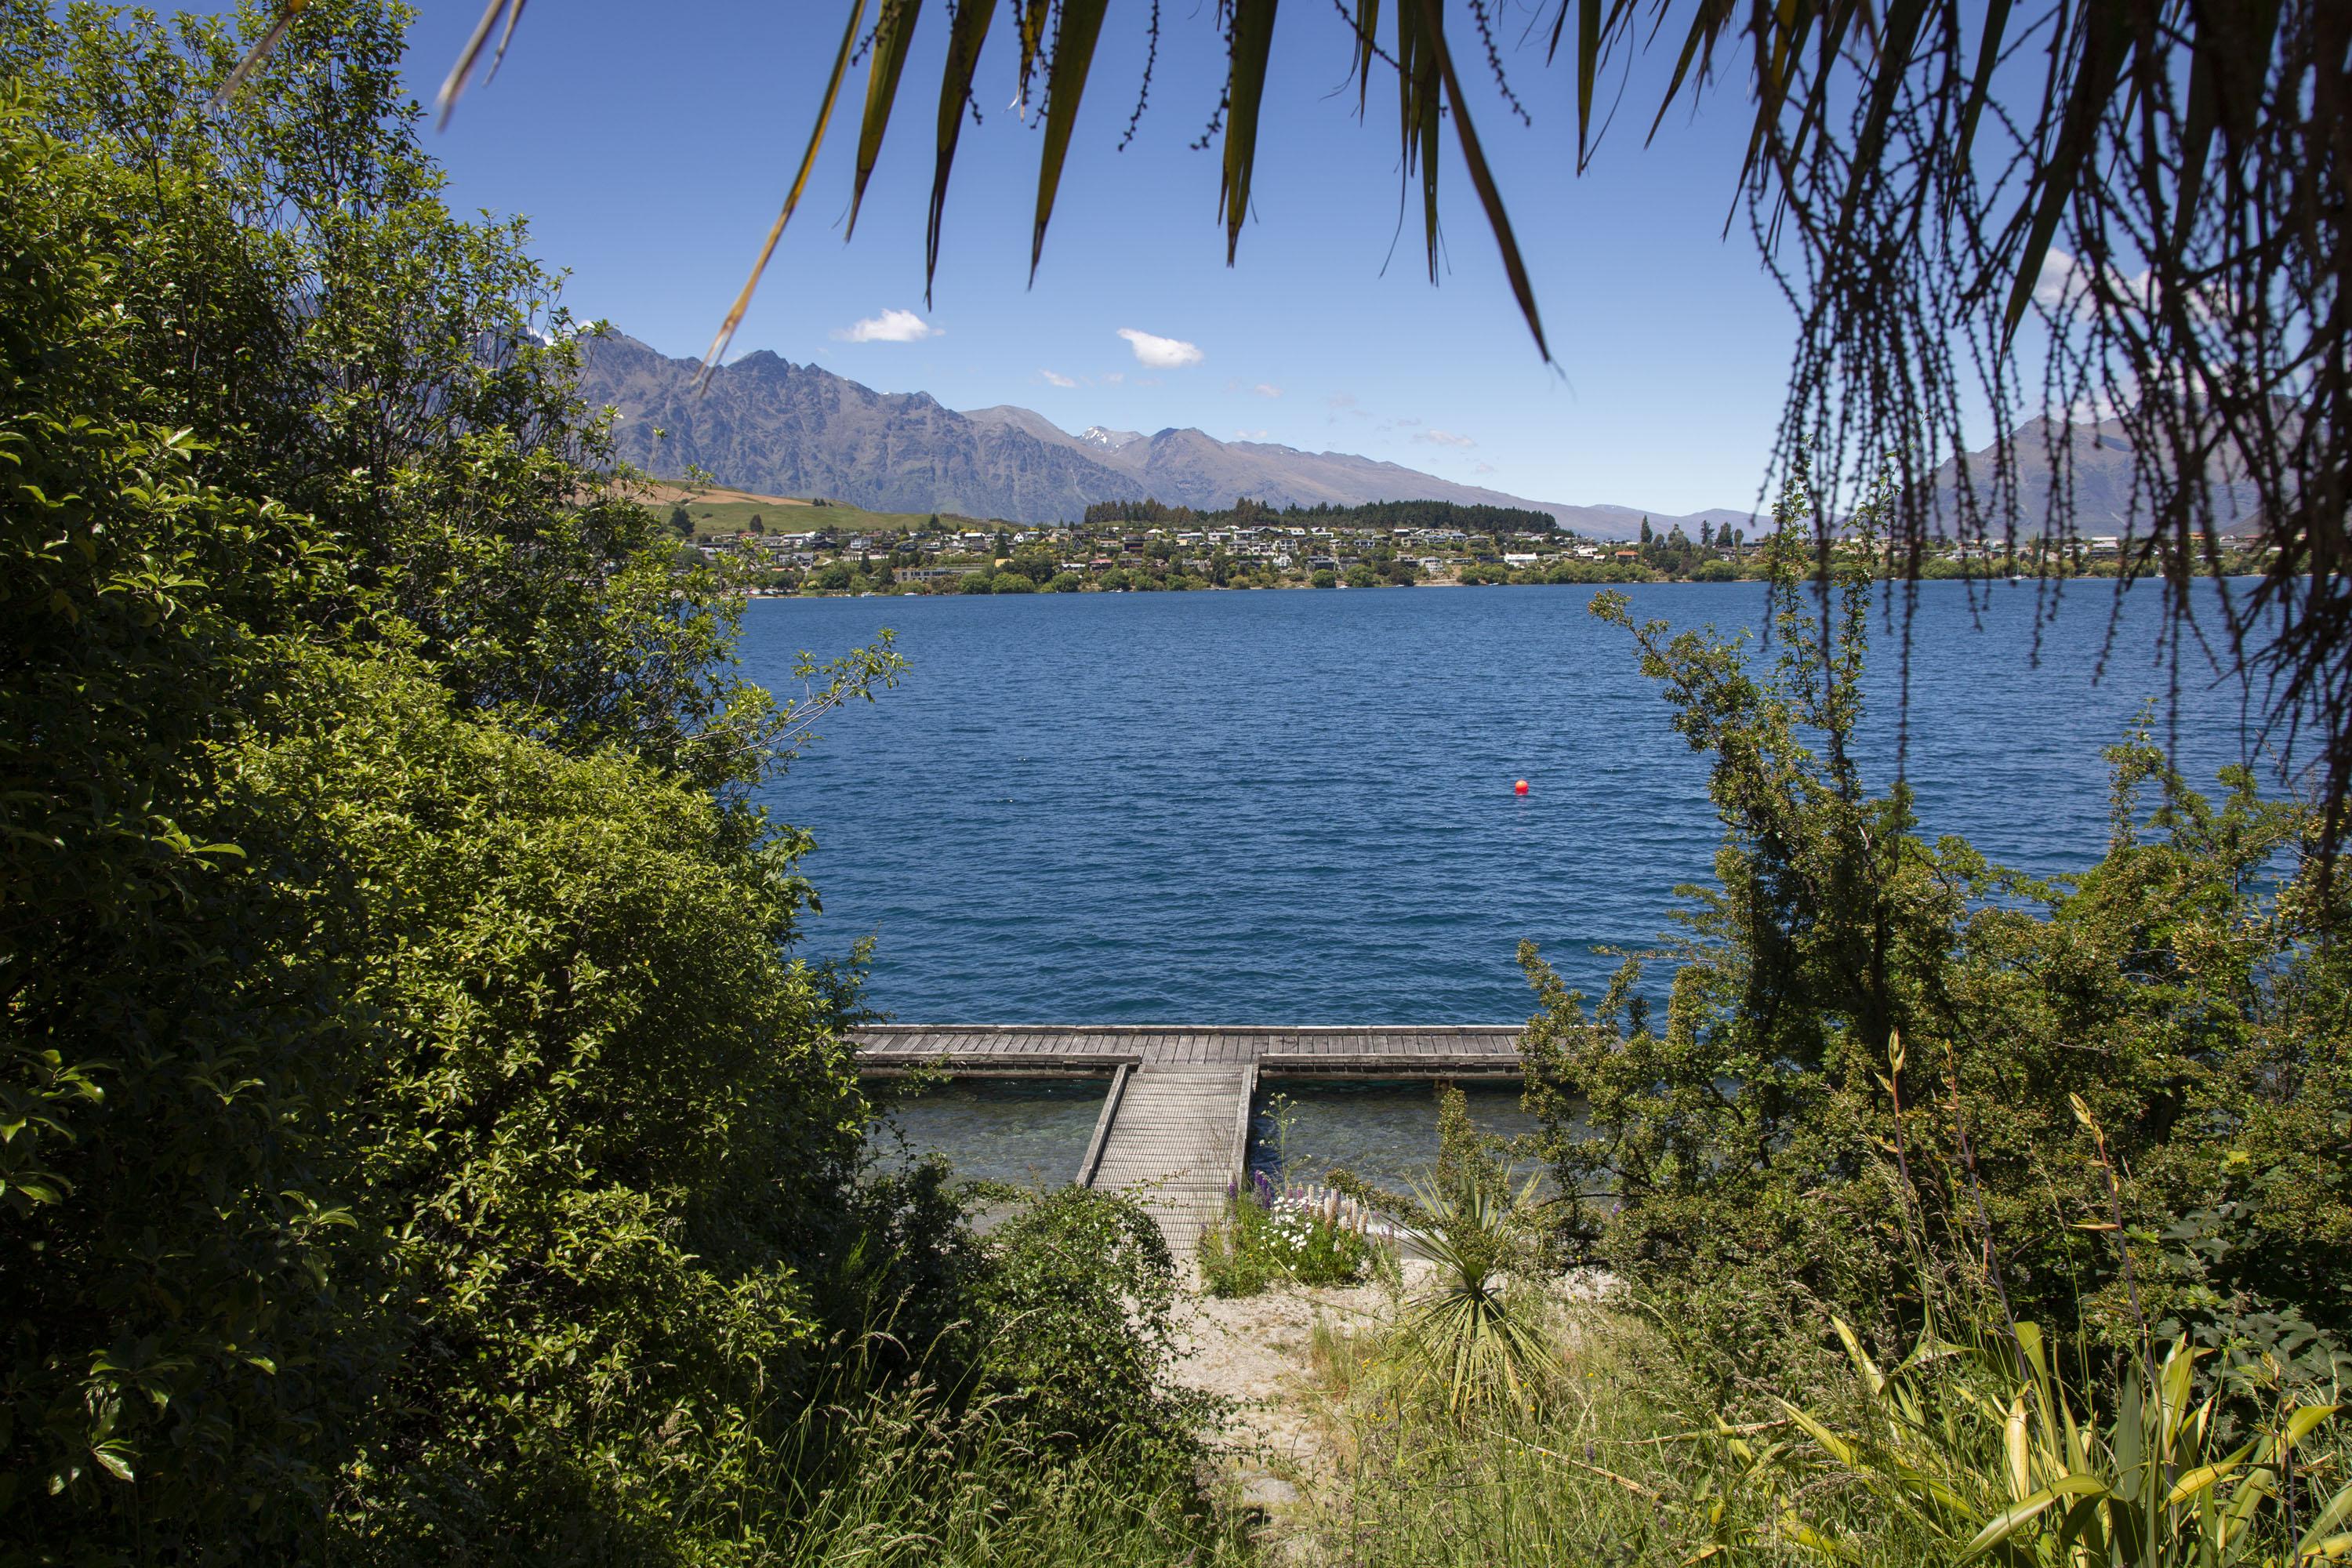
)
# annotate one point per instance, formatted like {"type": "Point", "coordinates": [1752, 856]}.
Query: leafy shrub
{"type": "Point", "coordinates": [1078, 1313]}
{"type": "Point", "coordinates": [1986, 1451]}
{"type": "Point", "coordinates": [1766, 1149]}
{"type": "Point", "coordinates": [422, 1143]}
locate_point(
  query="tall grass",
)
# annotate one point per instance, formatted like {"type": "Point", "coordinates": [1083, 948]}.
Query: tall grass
{"type": "Point", "coordinates": [1620, 1466]}
{"type": "Point", "coordinates": [909, 1481]}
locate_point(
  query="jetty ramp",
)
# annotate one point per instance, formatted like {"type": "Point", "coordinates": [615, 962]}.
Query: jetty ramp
{"type": "Point", "coordinates": [1174, 1128]}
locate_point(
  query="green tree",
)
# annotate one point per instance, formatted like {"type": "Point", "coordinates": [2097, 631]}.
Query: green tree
{"type": "Point", "coordinates": [414, 1102]}
{"type": "Point", "coordinates": [1874, 1044]}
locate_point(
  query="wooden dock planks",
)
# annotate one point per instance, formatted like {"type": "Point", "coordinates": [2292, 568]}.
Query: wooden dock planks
{"type": "Point", "coordinates": [1174, 1126]}
{"type": "Point", "coordinates": [1466, 1051]}
{"type": "Point", "coordinates": [1170, 1143]}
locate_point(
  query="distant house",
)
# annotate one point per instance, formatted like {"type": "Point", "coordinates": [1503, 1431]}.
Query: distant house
{"type": "Point", "coordinates": [1518, 558]}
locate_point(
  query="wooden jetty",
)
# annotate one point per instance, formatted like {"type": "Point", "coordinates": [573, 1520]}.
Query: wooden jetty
{"type": "Point", "coordinates": [1174, 1128]}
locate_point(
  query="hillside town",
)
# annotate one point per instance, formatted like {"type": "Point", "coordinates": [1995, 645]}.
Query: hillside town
{"type": "Point", "coordinates": [866, 553]}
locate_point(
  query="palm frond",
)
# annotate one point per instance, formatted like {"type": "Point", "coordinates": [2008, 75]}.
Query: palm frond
{"type": "Point", "coordinates": [792, 197]}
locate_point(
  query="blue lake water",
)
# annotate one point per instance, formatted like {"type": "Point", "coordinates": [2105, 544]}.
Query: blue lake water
{"type": "Point", "coordinates": [1295, 807]}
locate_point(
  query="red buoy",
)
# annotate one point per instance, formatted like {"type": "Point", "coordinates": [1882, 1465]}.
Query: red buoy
{"type": "Point", "coordinates": [1520, 787]}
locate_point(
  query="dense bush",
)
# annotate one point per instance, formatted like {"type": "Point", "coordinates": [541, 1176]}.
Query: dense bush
{"type": "Point", "coordinates": [419, 1141]}
{"type": "Point", "coordinates": [1888, 1066]}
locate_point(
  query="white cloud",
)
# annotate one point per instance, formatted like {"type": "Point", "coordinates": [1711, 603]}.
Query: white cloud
{"type": "Point", "coordinates": [1249, 435]}
{"type": "Point", "coordinates": [1114, 377]}
{"type": "Point", "coordinates": [2066, 285]}
{"type": "Point", "coordinates": [1434, 438]}
{"type": "Point", "coordinates": [1341, 400]}
{"type": "Point", "coordinates": [1054, 380]}
{"type": "Point", "coordinates": [889, 327]}
{"type": "Point", "coordinates": [1483, 466]}
{"type": "Point", "coordinates": [1161, 353]}
{"type": "Point", "coordinates": [2058, 280]}
{"type": "Point", "coordinates": [1266, 389]}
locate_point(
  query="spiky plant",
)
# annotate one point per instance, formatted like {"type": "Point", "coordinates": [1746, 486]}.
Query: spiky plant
{"type": "Point", "coordinates": [1477, 1331]}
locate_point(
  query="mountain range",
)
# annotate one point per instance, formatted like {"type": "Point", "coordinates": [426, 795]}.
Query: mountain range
{"type": "Point", "coordinates": [763, 424]}
{"type": "Point", "coordinates": [2098, 468]}
{"type": "Point", "coordinates": [767, 425]}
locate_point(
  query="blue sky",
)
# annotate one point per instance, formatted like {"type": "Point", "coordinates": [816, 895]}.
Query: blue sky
{"type": "Point", "coordinates": [650, 146]}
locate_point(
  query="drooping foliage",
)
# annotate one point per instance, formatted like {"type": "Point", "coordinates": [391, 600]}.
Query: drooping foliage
{"type": "Point", "coordinates": [1892, 1075]}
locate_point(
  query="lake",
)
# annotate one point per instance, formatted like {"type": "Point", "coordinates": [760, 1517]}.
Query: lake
{"type": "Point", "coordinates": [1295, 807]}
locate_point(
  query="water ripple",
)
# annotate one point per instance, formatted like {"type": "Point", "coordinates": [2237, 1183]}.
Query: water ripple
{"type": "Point", "coordinates": [1296, 807]}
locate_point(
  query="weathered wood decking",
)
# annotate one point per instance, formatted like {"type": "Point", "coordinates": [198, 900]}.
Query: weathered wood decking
{"type": "Point", "coordinates": [1174, 1128]}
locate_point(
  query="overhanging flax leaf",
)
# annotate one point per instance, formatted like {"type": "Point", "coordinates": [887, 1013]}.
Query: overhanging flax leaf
{"type": "Point", "coordinates": [1253, 37]}
{"type": "Point", "coordinates": [1894, 46]}
{"type": "Point", "coordinates": [792, 197]}
{"type": "Point", "coordinates": [454, 82]}
{"type": "Point", "coordinates": [1368, 26]}
{"type": "Point", "coordinates": [967, 31]}
{"type": "Point", "coordinates": [263, 47]}
{"type": "Point", "coordinates": [1029, 19]}
{"type": "Point", "coordinates": [1779, 55]}
{"type": "Point", "coordinates": [1587, 63]}
{"type": "Point", "coordinates": [2106, 50]}
{"type": "Point", "coordinates": [1066, 84]}
{"type": "Point", "coordinates": [1481, 177]}
{"type": "Point", "coordinates": [892, 33]}
{"type": "Point", "coordinates": [1417, 101]}
{"type": "Point", "coordinates": [506, 37]}
{"type": "Point", "coordinates": [1996, 30]}
{"type": "Point", "coordinates": [1707, 25]}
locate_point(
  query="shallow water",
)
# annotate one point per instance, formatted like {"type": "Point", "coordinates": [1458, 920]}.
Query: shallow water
{"type": "Point", "coordinates": [1385, 1133]}
{"type": "Point", "coordinates": [1030, 1132]}
{"type": "Point", "coordinates": [1033, 1133]}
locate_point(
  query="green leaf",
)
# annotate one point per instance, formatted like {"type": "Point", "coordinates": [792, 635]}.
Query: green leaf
{"type": "Point", "coordinates": [1482, 180]}
{"type": "Point", "coordinates": [966, 32]}
{"type": "Point", "coordinates": [1253, 37]}
{"type": "Point", "coordinates": [2005, 1523]}
{"type": "Point", "coordinates": [792, 197]}
{"type": "Point", "coordinates": [892, 34]}
{"type": "Point", "coordinates": [1066, 85]}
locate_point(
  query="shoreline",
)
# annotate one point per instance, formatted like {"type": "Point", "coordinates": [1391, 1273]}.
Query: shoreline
{"type": "Point", "coordinates": [1304, 587]}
